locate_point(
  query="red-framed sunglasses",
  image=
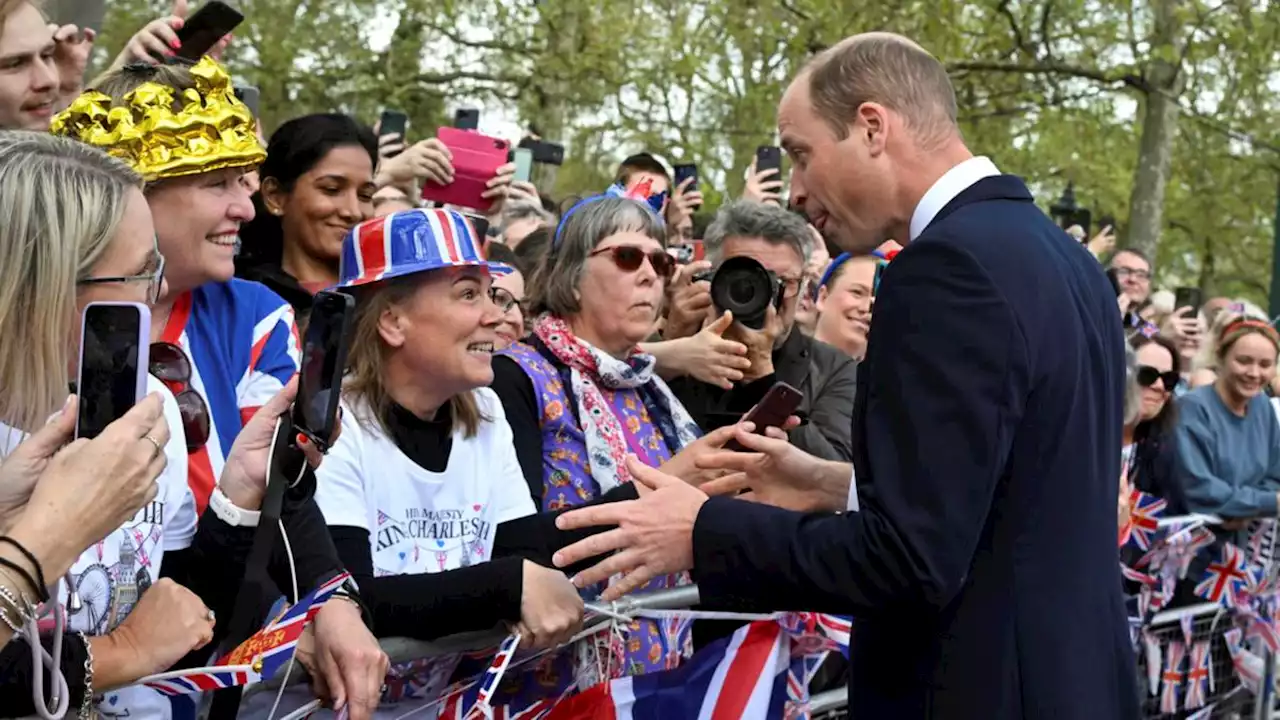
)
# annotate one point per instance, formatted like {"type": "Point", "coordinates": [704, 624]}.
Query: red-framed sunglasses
{"type": "Point", "coordinates": [170, 364]}
{"type": "Point", "coordinates": [629, 258]}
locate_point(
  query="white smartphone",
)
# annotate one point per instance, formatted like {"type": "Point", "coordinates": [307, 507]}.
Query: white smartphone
{"type": "Point", "coordinates": [115, 343]}
{"type": "Point", "coordinates": [524, 164]}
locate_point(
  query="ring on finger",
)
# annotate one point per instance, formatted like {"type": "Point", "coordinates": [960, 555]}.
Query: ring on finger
{"type": "Point", "coordinates": [210, 615]}
{"type": "Point", "coordinates": [159, 449]}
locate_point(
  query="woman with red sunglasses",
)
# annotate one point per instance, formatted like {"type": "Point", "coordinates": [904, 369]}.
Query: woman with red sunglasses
{"type": "Point", "coordinates": [581, 396]}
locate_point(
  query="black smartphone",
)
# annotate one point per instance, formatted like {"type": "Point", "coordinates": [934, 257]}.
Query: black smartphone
{"type": "Point", "coordinates": [467, 119]}
{"type": "Point", "coordinates": [212, 22]}
{"type": "Point", "coordinates": [1107, 221]}
{"type": "Point", "coordinates": [249, 95]}
{"type": "Point", "coordinates": [393, 122]}
{"type": "Point", "coordinates": [769, 157]}
{"type": "Point", "coordinates": [1187, 297]}
{"type": "Point", "coordinates": [324, 361]}
{"type": "Point", "coordinates": [780, 403]}
{"type": "Point", "coordinates": [81, 13]}
{"type": "Point", "coordinates": [114, 354]}
{"type": "Point", "coordinates": [684, 172]}
{"type": "Point", "coordinates": [544, 153]}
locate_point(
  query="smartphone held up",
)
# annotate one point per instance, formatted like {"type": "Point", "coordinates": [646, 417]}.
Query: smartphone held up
{"type": "Point", "coordinates": [114, 360]}
{"type": "Point", "coordinates": [324, 361]}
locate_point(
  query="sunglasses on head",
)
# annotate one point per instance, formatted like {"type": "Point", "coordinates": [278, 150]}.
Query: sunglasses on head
{"type": "Point", "coordinates": [170, 364]}
{"type": "Point", "coordinates": [629, 258]}
{"type": "Point", "coordinates": [1147, 376]}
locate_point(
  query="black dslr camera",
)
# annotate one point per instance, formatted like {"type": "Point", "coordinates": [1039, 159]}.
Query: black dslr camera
{"type": "Point", "coordinates": [745, 288]}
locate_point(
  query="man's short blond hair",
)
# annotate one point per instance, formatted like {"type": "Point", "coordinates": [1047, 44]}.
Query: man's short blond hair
{"type": "Point", "coordinates": [889, 70]}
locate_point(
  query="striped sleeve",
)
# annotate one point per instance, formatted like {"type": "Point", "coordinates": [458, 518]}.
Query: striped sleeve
{"type": "Point", "coordinates": [274, 359]}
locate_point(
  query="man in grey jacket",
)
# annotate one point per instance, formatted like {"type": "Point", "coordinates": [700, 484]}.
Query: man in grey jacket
{"type": "Point", "coordinates": [779, 352]}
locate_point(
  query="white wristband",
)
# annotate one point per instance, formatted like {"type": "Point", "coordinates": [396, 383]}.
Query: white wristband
{"type": "Point", "coordinates": [229, 512]}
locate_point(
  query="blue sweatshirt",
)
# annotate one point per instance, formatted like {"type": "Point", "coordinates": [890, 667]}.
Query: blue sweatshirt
{"type": "Point", "coordinates": [1228, 465]}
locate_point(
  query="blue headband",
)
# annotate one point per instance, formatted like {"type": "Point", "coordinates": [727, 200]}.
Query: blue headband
{"type": "Point", "coordinates": [617, 191]}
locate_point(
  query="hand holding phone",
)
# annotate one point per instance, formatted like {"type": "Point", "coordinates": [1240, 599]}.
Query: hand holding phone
{"type": "Point", "coordinates": [773, 410]}
{"type": "Point", "coordinates": [476, 159]}
{"type": "Point", "coordinates": [769, 157]}
{"type": "Point", "coordinates": [114, 358]}
{"type": "Point", "coordinates": [324, 362]}
{"type": "Point", "coordinates": [1187, 297]}
{"type": "Point", "coordinates": [212, 22]}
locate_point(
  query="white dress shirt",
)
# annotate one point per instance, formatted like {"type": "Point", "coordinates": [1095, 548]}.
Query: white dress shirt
{"type": "Point", "coordinates": [952, 183]}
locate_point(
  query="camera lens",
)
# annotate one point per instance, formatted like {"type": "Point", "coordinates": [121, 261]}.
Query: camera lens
{"type": "Point", "coordinates": [744, 287]}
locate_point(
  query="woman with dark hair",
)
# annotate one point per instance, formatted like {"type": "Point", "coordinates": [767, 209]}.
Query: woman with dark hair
{"type": "Point", "coordinates": [317, 184]}
{"type": "Point", "coordinates": [1148, 457]}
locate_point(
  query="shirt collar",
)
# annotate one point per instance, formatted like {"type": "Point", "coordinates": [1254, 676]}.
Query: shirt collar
{"type": "Point", "coordinates": [952, 183]}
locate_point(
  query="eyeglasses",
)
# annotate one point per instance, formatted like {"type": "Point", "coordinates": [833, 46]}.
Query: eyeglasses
{"type": "Point", "coordinates": [1133, 272]}
{"type": "Point", "coordinates": [169, 363]}
{"type": "Point", "coordinates": [629, 258]}
{"type": "Point", "coordinates": [155, 278]}
{"type": "Point", "coordinates": [1147, 376]}
{"type": "Point", "coordinates": [790, 286]}
{"type": "Point", "coordinates": [505, 300]}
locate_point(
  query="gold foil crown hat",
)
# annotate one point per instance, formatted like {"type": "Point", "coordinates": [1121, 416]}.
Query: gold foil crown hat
{"type": "Point", "coordinates": [213, 130]}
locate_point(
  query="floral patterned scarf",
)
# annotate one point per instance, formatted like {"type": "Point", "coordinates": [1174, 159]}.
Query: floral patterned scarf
{"type": "Point", "coordinates": [590, 369]}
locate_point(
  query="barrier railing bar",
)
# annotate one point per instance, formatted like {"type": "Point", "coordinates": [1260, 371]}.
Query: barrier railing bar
{"type": "Point", "coordinates": [829, 700]}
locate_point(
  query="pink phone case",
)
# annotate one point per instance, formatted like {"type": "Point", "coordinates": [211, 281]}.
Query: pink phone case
{"type": "Point", "coordinates": [476, 159]}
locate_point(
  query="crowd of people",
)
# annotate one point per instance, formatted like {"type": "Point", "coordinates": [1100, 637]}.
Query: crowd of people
{"type": "Point", "coordinates": [506, 365]}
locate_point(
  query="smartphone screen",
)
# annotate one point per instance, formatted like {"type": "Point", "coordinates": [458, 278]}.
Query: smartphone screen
{"type": "Point", "coordinates": [524, 163]}
{"type": "Point", "coordinates": [467, 119]}
{"type": "Point", "coordinates": [324, 359]}
{"type": "Point", "coordinates": [769, 157]}
{"type": "Point", "coordinates": [684, 172]}
{"type": "Point", "coordinates": [212, 22]}
{"type": "Point", "coordinates": [113, 364]}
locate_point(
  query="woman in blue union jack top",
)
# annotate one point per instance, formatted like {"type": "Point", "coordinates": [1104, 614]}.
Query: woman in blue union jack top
{"type": "Point", "coordinates": [224, 346]}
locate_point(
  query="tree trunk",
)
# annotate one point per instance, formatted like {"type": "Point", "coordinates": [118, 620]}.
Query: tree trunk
{"type": "Point", "coordinates": [1159, 125]}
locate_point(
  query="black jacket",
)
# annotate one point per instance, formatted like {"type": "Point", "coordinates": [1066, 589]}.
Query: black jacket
{"type": "Point", "coordinates": [825, 375]}
{"type": "Point", "coordinates": [981, 568]}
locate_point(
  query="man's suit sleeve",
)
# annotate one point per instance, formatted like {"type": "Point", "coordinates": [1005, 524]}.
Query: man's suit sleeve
{"type": "Point", "coordinates": [947, 374]}
{"type": "Point", "coordinates": [827, 433]}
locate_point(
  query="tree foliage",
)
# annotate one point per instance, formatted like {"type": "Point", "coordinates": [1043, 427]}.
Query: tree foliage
{"type": "Point", "coordinates": [1056, 91]}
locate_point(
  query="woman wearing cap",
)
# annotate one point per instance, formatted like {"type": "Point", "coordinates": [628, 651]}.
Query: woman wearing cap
{"type": "Point", "coordinates": [580, 396]}
{"type": "Point", "coordinates": [423, 492]}
{"type": "Point", "coordinates": [223, 345]}
{"type": "Point", "coordinates": [1228, 440]}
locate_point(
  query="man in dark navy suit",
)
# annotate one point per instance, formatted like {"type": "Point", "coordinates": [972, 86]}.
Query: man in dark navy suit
{"type": "Point", "coordinates": [974, 537]}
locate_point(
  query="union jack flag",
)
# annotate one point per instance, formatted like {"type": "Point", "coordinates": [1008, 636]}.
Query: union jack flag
{"type": "Point", "coordinates": [1150, 330]}
{"type": "Point", "coordinates": [1144, 517]}
{"type": "Point", "coordinates": [1262, 539]}
{"type": "Point", "coordinates": [274, 644]}
{"type": "Point", "coordinates": [189, 682]}
{"type": "Point", "coordinates": [1197, 676]}
{"type": "Point", "coordinates": [493, 676]}
{"type": "Point", "coordinates": [1171, 678]}
{"type": "Point", "coordinates": [1249, 667]}
{"type": "Point", "coordinates": [1224, 576]}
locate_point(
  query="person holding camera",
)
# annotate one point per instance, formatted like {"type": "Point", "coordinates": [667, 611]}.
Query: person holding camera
{"type": "Point", "coordinates": [759, 252]}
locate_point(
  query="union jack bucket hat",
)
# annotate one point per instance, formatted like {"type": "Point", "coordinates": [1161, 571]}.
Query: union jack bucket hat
{"type": "Point", "coordinates": [410, 241]}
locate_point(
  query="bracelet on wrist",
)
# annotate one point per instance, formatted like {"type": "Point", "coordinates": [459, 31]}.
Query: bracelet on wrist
{"type": "Point", "coordinates": [31, 558]}
{"type": "Point", "coordinates": [40, 591]}
{"type": "Point", "coordinates": [86, 702]}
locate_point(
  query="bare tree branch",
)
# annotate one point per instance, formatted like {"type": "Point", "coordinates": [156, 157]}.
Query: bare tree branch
{"type": "Point", "coordinates": [1050, 68]}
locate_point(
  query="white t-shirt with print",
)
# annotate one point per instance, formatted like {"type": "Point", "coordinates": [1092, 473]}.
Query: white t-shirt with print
{"type": "Point", "coordinates": [420, 521]}
{"type": "Point", "coordinates": [112, 574]}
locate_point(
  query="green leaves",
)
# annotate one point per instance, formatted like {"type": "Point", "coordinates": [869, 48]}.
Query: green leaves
{"type": "Point", "coordinates": [1052, 89]}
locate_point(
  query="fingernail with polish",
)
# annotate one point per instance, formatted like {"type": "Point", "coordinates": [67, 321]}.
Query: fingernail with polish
{"type": "Point", "coordinates": [302, 439]}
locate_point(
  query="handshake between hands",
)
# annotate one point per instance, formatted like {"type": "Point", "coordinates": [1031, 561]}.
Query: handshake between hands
{"type": "Point", "coordinates": [653, 535]}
